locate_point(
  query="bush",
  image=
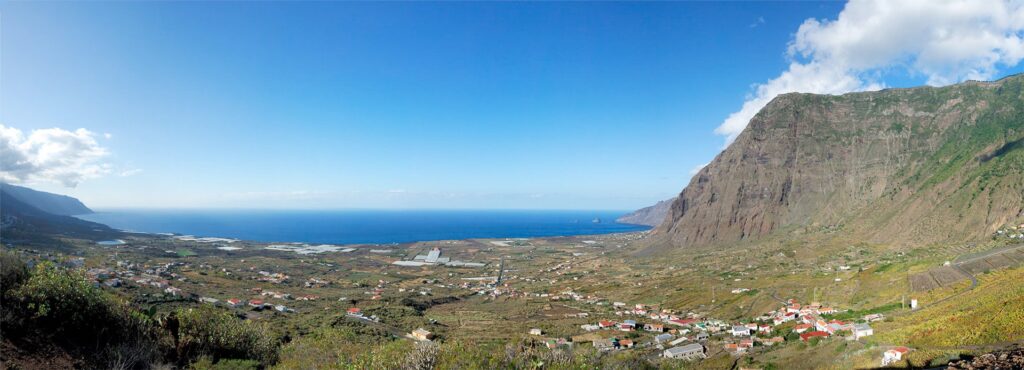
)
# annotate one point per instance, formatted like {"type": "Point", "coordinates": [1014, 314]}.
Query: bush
{"type": "Point", "coordinates": [13, 271]}
{"type": "Point", "coordinates": [343, 348]}
{"type": "Point", "coordinates": [206, 363]}
{"type": "Point", "coordinates": [207, 331]}
{"type": "Point", "coordinates": [61, 305]}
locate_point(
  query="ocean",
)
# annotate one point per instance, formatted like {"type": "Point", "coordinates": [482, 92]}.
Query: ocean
{"type": "Point", "coordinates": [363, 226]}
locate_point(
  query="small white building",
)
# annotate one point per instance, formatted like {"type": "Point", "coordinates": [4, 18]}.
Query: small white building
{"type": "Point", "coordinates": [740, 331]}
{"type": "Point", "coordinates": [893, 355]}
{"type": "Point", "coordinates": [536, 331]}
{"type": "Point", "coordinates": [687, 352]}
{"type": "Point", "coordinates": [862, 330]}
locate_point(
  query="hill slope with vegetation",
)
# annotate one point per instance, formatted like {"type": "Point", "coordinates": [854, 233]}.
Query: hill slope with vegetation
{"type": "Point", "coordinates": [47, 202]}
{"type": "Point", "coordinates": [27, 224]}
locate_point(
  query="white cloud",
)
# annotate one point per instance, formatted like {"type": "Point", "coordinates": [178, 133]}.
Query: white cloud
{"type": "Point", "coordinates": [758, 22]}
{"type": "Point", "coordinates": [131, 172]}
{"type": "Point", "coordinates": [943, 41]}
{"type": "Point", "coordinates": [51, 155]}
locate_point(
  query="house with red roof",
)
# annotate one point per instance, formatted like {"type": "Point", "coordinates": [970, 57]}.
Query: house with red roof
{"type": "Point", "coordinates": [683, 322]}
{"type": "Point", "coordinates": [814, 334]}
{"type": "Point", "coordinates": [893, 355]}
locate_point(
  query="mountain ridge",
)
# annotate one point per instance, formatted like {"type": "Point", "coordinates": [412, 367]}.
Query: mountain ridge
{"type": "Point", "coordinates": [28, 224]}
{"type": "Point", "coordinates": [652, 215]}
{"type": "Point", "coordinates": [48, 202]}
{"type": "Point", "coordinates": [914, 165]}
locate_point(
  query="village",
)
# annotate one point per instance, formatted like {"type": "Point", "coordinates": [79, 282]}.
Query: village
{"type": "Point", "coordinates": [365, 284]}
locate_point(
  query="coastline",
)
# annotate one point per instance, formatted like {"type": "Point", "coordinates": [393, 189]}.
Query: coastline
{"type": "Point", "coordinates": [346, 228]}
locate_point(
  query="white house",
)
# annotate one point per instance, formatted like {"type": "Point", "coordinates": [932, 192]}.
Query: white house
{"type": "Point", "coordinates": [689, 351]}
{"type": "Point", "coordinates": [740, 331]}
{"type": "Point", "coordinates": [891, 356]}
{"type": "Point", "coordinates": [862, 330]}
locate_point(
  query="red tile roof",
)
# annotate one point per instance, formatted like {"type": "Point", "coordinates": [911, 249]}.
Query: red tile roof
{"type": "Point", "coordinates": [806, 336]}
{"type": "Point", "coordinates": [684, 321]}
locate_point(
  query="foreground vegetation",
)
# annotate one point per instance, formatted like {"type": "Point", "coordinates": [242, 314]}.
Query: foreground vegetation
{"type": "Point", "coordinates": [49, 308]}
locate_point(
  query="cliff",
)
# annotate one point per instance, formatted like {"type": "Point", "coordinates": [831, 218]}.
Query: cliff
{"type": "Point", "coordinates": [47, 202]}
{"type": "Point", "coordinates": [650, 216]}
{"type": "Point", "coordinates": [28, 223]}
{"type": "Point", "coordinates": [919, 165]}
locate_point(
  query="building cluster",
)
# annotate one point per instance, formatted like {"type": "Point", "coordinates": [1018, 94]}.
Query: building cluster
{"type": "Point", "coordinates": [678, 336]}
{"type": "Point", "coordinates": [1010, 232]}
{"type": "Point", "coordinates": [810, 324]}
{"type": "Point", "coordinates": [158, 277]}
{"type": "Point", "coordinates": [272, 277]}
{"type": "Point", "coordinates": [683, 333]}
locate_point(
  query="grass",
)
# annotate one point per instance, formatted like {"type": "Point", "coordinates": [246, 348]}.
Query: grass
{"type": "Point", "coordinates": [857, 314]}
{"type": "Point", "coordinates": [989, 314]}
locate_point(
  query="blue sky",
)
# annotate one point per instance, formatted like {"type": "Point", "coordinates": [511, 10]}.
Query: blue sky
{"type": "Point", "coordinates": [397, 105]}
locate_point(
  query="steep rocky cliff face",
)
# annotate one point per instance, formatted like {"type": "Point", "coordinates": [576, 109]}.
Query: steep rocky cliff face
{"type": "Point", "coordinates": [917, 165]}
{"type": "Point", "coordinates": [650, 216]}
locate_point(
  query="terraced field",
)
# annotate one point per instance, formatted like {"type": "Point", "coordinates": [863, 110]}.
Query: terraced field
{"type": "Point", "coordinates": [966, 266]}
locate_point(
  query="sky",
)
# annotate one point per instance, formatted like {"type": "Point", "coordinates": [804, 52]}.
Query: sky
{"type": "Point", "coordinates": [446, 105]}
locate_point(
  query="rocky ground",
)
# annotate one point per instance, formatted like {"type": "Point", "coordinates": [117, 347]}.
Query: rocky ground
{"type": "Point", "coordinates": [1011, 359]}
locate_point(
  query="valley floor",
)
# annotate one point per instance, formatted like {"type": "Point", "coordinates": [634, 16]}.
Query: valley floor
{"type": "Point", "coordinates": [584, 300]}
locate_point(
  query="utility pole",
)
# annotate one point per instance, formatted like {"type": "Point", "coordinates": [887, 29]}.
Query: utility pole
{"type": "Point", "coordinates": [501, 271]}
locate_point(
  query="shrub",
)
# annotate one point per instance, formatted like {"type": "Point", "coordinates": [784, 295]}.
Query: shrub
{"type": "Point", "coordinates": [206, 363]}
{"type": "Point", "coordinates": [207, 331]}
{"type": "Point", "coordinates": [13, 271]}
{"type": "Point", "coordinates": [61, 305]}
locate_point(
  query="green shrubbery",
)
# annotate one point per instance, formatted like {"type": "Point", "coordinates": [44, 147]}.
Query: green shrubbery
{"type": "Point", "coordinates": [61, 305]}
{"type": "Point", "coordinates": [339, 348]}
{"type": "Point", "coordinates": [51, 304]}
{"type": "Point", "coordinates": [211, 332]}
